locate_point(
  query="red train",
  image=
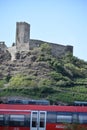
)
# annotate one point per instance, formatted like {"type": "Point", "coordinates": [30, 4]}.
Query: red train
{"type": "Point", "coordinates": [39, 117]}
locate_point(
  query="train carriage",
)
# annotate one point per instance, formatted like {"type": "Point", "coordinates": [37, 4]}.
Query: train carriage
{"type": "Point", "coordinates": [39, 117]}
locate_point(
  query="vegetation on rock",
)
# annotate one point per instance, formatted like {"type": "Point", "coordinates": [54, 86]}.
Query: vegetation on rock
{"type": "Point", "coordinates": [37, 74]}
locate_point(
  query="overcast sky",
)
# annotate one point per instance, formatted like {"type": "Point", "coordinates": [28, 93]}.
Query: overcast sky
{"type": "Point", "coordinates": [59, 21]}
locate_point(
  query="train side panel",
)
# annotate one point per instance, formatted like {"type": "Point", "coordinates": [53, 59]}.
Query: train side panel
{"type": "Point", "coordinates": [28, 117]}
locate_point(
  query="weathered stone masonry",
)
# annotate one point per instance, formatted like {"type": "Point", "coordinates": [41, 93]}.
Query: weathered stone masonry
{"type": "Point", "coordinates": [22, 36]}
{"type": "Point", "coordinates": [24, 43]}
{"type": "Point", "coordinates": [3, 47]}
{"type": "Point", "coordinates": [56, 49]}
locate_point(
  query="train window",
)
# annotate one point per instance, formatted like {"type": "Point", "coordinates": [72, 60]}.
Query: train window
{"type": "Point", "coordinates": [82, 118]}
{"type": "Point", "coordinates": [1, 120]}
{"type": "Point", "coordinates": [51, 117]}
{"type": "Point", "coordinates": [64, 117]}
{"type": "Point", "coordinates": [17, 120]}
{"type": "Point", "coordinates": [34, 119]}
{"type": "Point", "coordinates": [42, 119]}
{"type": "Point", "coordinates": [27, 120]}
{"type": "Point", "coordinates": [75, 117]}
{"type": "Point", "coordinates": [6, 117]}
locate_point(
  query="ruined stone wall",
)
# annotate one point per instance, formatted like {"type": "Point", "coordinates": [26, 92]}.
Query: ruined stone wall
{"type": "Point", "coordinates": [35, 43]}
{"type": "Point", "coordinates": [3, 47]}
{"type": "Point", "coordinates": [24, 43]}
{"type": "Point", "coordinates": [4, 54]}
{"type": "Point", "coordinates": [22, 36]}
{"type": "Point", "coordinates": [60, 50]}
{"type": "Point", "coordinates": [56, 49]}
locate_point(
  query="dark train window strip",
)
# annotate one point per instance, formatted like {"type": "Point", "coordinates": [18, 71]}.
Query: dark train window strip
{"type": "Point", "coordinates": [1, 120]}
{"type": "Point", "coordinates": [82, 118]}
{"type": "Point", "coordinates": [67, 117]}
{"type": "Point", "coordinates": [15, 120]}
{"type": "Point", "coordinates": [52, 117]}
{"type": "Point", "coordinates": [64, 117]}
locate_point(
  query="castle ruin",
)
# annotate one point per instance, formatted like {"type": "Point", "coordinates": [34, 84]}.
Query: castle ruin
{"type": "Point", "coordinates": [24, 43]}
{"type": "Point", "coordinates": [22, 36]}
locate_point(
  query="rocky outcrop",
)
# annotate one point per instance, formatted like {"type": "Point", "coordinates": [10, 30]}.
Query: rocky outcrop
{"type": "Point", "coordinates": [25, 63]}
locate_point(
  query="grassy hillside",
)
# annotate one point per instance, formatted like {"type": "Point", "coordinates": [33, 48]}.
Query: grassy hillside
{"type": "Point", "coordinates": [47, 77]}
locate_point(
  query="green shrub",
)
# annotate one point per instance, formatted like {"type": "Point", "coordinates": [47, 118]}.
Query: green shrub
{"type": "Point", "coordinates": [46, 48]}
{"type": "Point", "coordinates": [55, 75]}
{"type": "Point", "coordinates": [44, 83]}
{"type": "Point", "coordinates": [2, 83]}
{"type": "Point", "coordinates": [19, 81]}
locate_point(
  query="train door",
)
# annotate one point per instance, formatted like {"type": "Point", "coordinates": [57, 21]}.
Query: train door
{"type": "Point", "coordinates": [38, 120]}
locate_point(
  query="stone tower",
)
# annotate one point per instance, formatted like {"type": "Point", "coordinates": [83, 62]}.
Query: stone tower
{"type": "Point", "coordinates": [22, 36]}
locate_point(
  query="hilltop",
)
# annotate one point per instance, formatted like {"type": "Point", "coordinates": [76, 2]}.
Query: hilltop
{"type": "Point", "coordinates": [37, 74]}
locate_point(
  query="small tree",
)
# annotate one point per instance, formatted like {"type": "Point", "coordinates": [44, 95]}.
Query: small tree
{"type": "Point", "coordinates": [46, 48]}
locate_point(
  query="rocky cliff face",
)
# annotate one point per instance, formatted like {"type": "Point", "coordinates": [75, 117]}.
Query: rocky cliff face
{"type": "Point", "coordinates": [25, 63]}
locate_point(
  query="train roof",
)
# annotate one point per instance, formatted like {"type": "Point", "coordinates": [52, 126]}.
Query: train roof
{"type": "Point", "coordinates": [9, 107]}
